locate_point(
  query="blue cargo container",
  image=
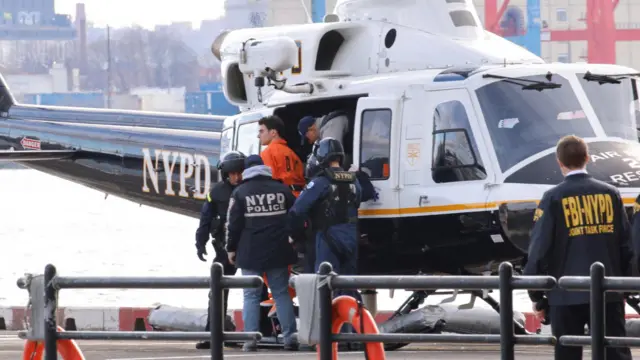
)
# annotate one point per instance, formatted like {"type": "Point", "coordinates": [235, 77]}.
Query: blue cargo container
{"type": "Point", "coordinates": [195, 102]}
{"type": "Point", "coordinates": [90, 100]}
{"type": "Point", "coordinates": [208, 102]}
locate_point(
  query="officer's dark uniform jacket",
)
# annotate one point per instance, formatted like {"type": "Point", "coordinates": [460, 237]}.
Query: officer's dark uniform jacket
{"type": "Point", "coordinates": [213, 216]}
{"type": "Point", "coordinates": [368, 191]}
{"type": "Point", "coordinates": [257, 227]}
{"type": "Point", "coordinates": [331, 200]}
{"type": "Point", "coordinates": [579, 222]}
{"type": "Point", "coordinates": [635, 231]}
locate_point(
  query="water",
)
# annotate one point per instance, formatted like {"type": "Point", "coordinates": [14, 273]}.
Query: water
{"type": "Point", "coordinates": [49, 220]}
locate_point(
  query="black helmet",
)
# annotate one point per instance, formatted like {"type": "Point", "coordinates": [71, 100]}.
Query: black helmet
{"type": "Point", "coordinates": [313, 168]}
{"type": "Point", "coordinates": [328, 150]}
{"type": "Point", "coordinates": [233, 161]}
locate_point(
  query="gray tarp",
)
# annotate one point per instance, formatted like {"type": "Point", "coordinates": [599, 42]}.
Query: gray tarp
{"type": "Point", "coordinates": [167, 317]}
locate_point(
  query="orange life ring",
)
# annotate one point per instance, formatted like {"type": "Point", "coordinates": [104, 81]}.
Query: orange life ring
{"type": "Point", "coordinates": [346, 309]}
{"type": "Point", "coordinates": [68, 349]}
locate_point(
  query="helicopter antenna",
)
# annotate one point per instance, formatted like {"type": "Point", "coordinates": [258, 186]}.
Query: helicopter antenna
{"type": "Point", "coordinates": [306, 11]}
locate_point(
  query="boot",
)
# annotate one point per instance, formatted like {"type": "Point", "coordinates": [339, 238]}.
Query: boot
{"type": "Point", "coordinates": [203, 345]}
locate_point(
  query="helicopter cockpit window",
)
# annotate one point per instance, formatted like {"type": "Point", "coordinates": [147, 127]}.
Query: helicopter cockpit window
{"type": "Point", "coordinates": [616, 105]}
{"type": "Point", "coordinates": [225, 141]}
{"type": "Point", "coordinates": [375, 143]}
{"type": "Point", "coordinates": [522, 122]}
{"type": "Point", "coordinates": [455, 153]}
{"type": "Point", "coordinates": [248, 142]}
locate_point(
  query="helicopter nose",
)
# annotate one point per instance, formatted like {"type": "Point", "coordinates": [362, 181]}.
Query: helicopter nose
{"type": "Point", "coordinates": [217, 43]}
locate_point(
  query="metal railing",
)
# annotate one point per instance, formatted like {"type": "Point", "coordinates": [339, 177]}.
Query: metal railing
{"type": "Point", "coordinates": [506, 282]}
{"type": "Point", "coordinates": [597, 283]}
{"type": "Point", "coordinates": [216, 283]}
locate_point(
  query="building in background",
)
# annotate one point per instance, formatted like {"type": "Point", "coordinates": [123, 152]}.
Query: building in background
{"type": "Point", "coordinates": [246, 13]}
{"type": "Point", "coordinates": [34, 20]}
{"type": "Point", "coordinates": [554, 29]}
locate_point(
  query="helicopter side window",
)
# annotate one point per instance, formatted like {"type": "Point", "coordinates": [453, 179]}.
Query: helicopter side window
{"type": "Point", "coordinates": [375, 143]}
{"type": "Point", "coordinates": [455, 152]}
{"type": "Point", "coordinates": [248, 142]}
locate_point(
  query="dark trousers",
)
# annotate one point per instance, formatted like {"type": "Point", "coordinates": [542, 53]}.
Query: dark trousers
{"type": "Point", "coordinates": [571, 319]}
{"type": "Point", "coordinates": [309, 249]}
{"type": "Point", "coordinates": [348, 266]}
{"type": "Point", "coordinates": [229, 270]}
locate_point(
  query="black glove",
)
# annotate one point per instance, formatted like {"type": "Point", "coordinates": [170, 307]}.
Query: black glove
{"type": "Point", "coordinates": [201, 251]}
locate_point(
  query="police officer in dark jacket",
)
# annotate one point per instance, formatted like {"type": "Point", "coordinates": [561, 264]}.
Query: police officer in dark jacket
{"type": "Point", "coordinates": [312, 170]}
{"type": "Point", "coordinates": [635, 231]}
{"type": "Point", "coordinates": [258, 243]}
{"type": "Point", "coordinates": [213, 217]}
{"type": "Point", "coordinates": [579, 222]}
{"type": "Point", "coordinates": [331, 199]}
{"type": "Point", "coordinates": [329, 126]}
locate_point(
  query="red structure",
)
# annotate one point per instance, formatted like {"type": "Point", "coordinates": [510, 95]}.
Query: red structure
{"type": "Point", "coordinates": [600, 33]}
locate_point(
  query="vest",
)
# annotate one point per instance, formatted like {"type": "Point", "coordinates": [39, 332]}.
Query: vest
{"type": "Point", "coordinates": [333, 209]}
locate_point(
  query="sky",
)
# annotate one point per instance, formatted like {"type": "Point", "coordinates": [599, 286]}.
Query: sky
{"type": "Point", "coordinates": [146, 13]}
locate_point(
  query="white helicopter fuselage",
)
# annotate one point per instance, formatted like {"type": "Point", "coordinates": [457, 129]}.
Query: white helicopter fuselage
{"type": "Point", "coordinates": [459, 155]}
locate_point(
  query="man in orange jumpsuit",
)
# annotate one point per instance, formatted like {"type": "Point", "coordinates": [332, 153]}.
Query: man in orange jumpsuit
{"type": "Point", "coordinates": [285, 165]}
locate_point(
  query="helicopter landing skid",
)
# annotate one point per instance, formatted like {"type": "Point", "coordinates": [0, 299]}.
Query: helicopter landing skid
{"type": "Point", "coordinates": [633, 300]}
{"type": "Point", "coordinates": [417, 298]}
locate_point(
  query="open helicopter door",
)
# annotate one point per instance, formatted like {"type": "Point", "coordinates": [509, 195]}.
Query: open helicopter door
{"type": "Point", "coordinates": [447, 165]}
{"type": "Point", "coordinates": [375, 149]}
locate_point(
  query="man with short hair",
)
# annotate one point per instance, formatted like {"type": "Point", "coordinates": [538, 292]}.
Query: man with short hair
{"type": "Point", "coordinates": [577, 223]}
{"type": "Point", "coordinates": [334, 125]}
{"type": "Point", "coordinates": [258, 231]}
{"type": "Point", "coordinates": [284, 163]}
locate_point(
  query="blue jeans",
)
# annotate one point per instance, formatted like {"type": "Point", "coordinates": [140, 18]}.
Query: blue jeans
{"type": "Point", "coordinates": [279, 284]}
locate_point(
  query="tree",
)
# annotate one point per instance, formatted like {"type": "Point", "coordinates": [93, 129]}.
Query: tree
{"type": "Point", "coordinates": [141, 58]}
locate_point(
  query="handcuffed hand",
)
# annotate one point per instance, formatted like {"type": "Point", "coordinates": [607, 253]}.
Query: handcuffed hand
{"type": "Point", "coordinates": [540, 314]}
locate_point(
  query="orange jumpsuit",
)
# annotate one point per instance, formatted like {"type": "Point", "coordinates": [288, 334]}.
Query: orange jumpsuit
{"type": "Point", "coordinates": [285, 165]}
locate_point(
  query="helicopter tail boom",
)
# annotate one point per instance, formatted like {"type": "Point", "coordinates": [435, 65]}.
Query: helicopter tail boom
{"type": "Point", "coordinates": [12, 109]}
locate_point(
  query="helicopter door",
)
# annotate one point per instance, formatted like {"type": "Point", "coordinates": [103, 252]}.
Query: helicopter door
{"type": "Point", "coordinates": [457, 165]}
{"type": "Point", "coordinates": [375, 150]}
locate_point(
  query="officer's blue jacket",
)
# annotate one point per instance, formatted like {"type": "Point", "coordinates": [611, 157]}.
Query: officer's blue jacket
{"type": "Point", "coordinates": [257, 226]}
{"type": "Point", "coordinates": [578, 222]}
{"type": "Point", "coordinates": [344, 234]}
{"type": "Point", "coordinates": [368, 191]}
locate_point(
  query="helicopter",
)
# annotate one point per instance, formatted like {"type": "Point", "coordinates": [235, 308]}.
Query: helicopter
{"type": "Point", "coordinates": [455, 126]}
